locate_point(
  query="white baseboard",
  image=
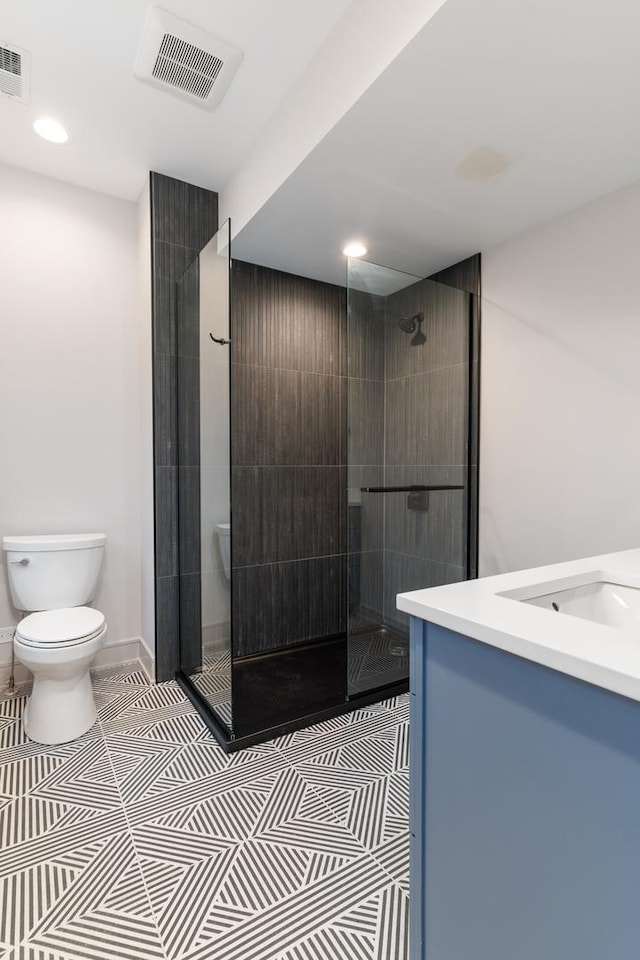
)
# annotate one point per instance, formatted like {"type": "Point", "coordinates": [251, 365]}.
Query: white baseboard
{"type": "Point", "coordinates": [20, 675]}
{"type": "Point", "coordinates": [147, 661]}
{"type": "Point", "coordinates": [122, 651]}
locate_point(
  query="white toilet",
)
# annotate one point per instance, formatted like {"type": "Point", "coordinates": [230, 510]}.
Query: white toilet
{"type": "Point", "coordinates": [57, 575]}
{"type": "Point", "coordinates": [224, 539]}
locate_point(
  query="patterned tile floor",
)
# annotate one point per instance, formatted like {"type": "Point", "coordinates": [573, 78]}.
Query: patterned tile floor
{"type": "Point", "coordinates": [143, 841]}
{"type": "Point", "coordinates": [376, 657]}
{"type": "Point", "coordinates": [213, 681]}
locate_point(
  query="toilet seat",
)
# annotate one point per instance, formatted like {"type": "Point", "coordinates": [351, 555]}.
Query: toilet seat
{"type": "Point", "coordinates": [65, 627]}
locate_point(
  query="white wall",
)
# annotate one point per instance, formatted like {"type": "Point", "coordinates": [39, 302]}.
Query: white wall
{"type": "Point", "coordinates": [145, 359]}
{"type": "Point", "coordinates": [70, 379]}
{"type": "Point", "coordinates": [560, 401]}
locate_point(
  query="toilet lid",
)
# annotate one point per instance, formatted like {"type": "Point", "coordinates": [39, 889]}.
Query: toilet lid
{"type": "Point", "coordinates": [68, 625]}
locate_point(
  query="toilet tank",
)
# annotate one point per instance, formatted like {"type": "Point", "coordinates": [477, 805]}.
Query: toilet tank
{"type": "Point", "coordinates": [50, 572]}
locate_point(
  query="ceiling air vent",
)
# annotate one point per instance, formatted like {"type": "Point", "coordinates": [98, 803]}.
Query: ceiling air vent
{"type": "Point", "coordinates": [185, 61]}
{"type": "Point", "coordinates": [14, 73]}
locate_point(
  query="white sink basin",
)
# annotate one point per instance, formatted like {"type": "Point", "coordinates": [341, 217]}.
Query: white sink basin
{"type": "Point", "coordinates": [594, 635]}
{"type": "Point", "coordinates": [600, 599]}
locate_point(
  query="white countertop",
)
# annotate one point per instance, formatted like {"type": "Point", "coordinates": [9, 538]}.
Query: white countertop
{"type": "Point", "coordinates": [603, 655]}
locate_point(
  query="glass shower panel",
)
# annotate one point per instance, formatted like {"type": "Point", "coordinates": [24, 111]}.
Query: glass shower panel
{"type": "Point", "coordinates": [408, 408]}
{"type": "Point", "coordinates": [206, 650]}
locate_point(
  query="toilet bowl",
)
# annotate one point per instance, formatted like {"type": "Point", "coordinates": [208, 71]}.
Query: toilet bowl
{"type": "Point", "coordinates": [56, 576]}
{"type": "Point", "coordinates": [58, 646]}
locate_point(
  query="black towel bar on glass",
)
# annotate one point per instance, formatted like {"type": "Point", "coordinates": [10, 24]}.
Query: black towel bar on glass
{"type": "Point", "coordinates": [411, 489]}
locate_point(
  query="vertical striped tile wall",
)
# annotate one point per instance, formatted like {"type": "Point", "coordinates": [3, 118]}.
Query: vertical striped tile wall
{"type": "Point", "coordinates": [430, 433]}
{"type": "Point", "coordinates": [289, 459]}
{"type": "Point", "coordinates": [183, 219]}
{"type": "Point", "coordinates": [467, 275]}
{"type": "Point", "coordinates": [366, 455]}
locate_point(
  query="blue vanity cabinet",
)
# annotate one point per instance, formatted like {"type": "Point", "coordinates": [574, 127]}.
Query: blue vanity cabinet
{"type": "Point", "coordinates": [525, 808]}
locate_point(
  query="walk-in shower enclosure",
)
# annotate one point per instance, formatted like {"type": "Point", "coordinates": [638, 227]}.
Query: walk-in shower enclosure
{"type": "Point", "coordinates": [333, 466]}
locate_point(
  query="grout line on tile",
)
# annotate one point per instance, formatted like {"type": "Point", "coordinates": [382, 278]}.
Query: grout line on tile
{"type": "Point", "coordinates": [131, 837]}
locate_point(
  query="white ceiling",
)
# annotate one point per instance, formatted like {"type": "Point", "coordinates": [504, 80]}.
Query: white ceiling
{"type": "Point", "coordinates": [549, 89]}
{"type": "Point", "coordinates": [83, 52]}
{"type": "Point", "coordinates": [550, 86]}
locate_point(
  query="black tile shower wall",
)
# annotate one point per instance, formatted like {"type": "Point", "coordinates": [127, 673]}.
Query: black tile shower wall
{"type": "Point", "coordinates": [426, 417]}
{"type": "Point", "coordinates": [467, 275]}
{"type": "Point", "coordinates": [287, 513]}
{"type": "Point", "coordinates": [366, 335]}
{"type": "Point", "coordinates": [288, 450]}
{"type": "Point", "coordinates": [182, 214]}
{"type": "Point", "coordinates": [183, 218]}
{"type": "Point", "coordinates": [287, 322]}
{"type": "Point", "coordinates": [429, 423]}
{"type": "Point", "coordinates": [366, 350]}
{"type": "Point", "coordinates": [464, 275]}
{"type": "Point", "coordinates": [297, 418]}
{"type": "Point", "coordinates": [277, 605]}
{"type": "Point", "coordinates": [445, 325]}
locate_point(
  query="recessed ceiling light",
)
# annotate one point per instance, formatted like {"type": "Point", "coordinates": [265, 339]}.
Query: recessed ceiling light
{"type": "Point", "coordinates": [50, 129]}
{"type": "Point", "coordinates": [355, 249]}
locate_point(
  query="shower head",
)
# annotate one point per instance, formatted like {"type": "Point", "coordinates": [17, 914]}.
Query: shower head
{"type": "Point", "coordinates": [413, 325]}
{"type": "Point", "coordinates": [407, 324]}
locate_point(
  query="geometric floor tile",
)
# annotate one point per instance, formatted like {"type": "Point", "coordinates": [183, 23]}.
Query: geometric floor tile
{"type": "Point", "coordinates": [66, 905]}
{"type": "Point", "coordinates": [375, 929]}
{"type": "Point", "coordinates": [393, 856]}
{"type": "Point", "coordinates": [376, 657]}
{"type": "Point", "coordinates": [213, 682]}
{"type": "Point", "coordinates": [142, 840]}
